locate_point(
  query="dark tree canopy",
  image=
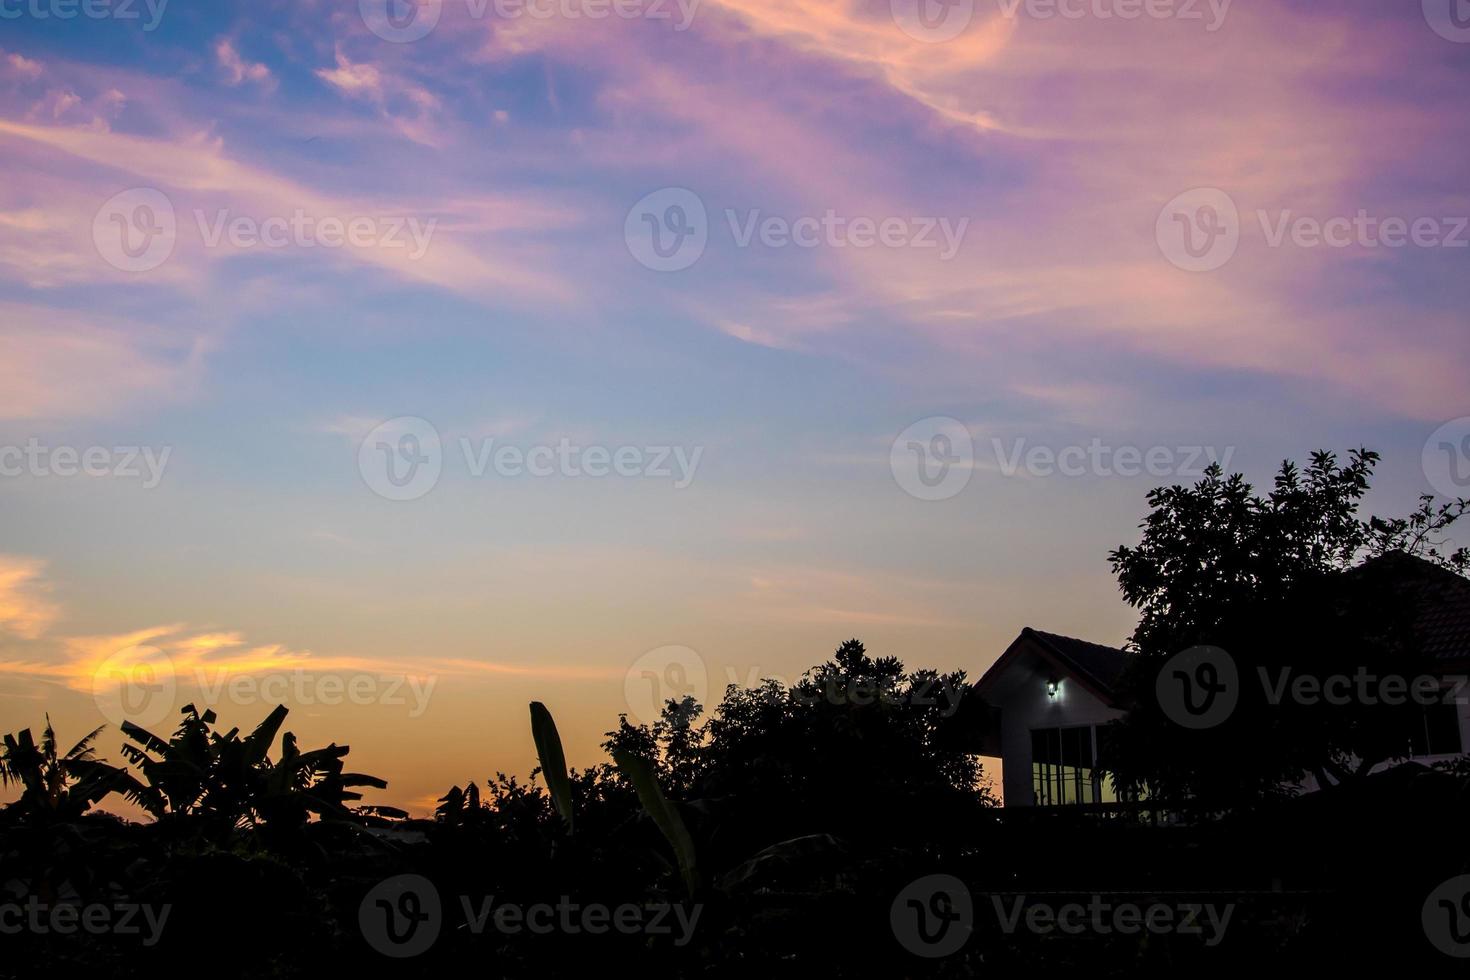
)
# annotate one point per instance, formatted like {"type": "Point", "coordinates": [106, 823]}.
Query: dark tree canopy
{"type": "Point", "coordinates": [1279, 582]}
{"type": "Point", "coordinates": [858, 747]}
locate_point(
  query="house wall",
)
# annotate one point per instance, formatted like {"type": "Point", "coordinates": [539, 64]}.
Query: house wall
{"type": "Point", "coordinates": [1027, 706]}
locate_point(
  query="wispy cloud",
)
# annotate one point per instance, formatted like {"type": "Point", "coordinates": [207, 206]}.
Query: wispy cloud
{"type": "Point", "coordinates": [237, 70]}
{"type": "Point", "coordinates": [25, 610]}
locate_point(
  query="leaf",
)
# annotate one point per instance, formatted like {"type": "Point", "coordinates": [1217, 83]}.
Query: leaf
{"type": "Point", "coordinates": [553, 761]}
{"type": "Point", "coordinates": [258, 742]}
{"type": "Point", "coordinates": [640, 773]}
{"type": "Point", "coordinates": [144, 737]}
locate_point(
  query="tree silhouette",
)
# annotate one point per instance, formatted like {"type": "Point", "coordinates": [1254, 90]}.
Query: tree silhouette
{"type": "Point", "coordinates": [58, 786]}
{"type": "Point", "coordinates": [1278, 582]}
{"type": "Point", "coordinates": [227, 781]}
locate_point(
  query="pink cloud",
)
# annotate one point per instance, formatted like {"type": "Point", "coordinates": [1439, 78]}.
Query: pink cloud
{"type": "Point", "coordinates": [237, 70]}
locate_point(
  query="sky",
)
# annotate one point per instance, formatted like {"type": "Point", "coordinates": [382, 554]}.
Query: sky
{"type": "Point", "coordinates": [405, 364]}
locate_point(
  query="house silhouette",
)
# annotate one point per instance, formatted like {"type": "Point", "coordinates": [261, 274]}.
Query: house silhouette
{"type": "Point", "coordinates": [1051, 696]}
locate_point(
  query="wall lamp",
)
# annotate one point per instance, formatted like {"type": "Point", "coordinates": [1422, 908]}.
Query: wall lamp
{"type": "Point", "coordinates": [1052, 687]}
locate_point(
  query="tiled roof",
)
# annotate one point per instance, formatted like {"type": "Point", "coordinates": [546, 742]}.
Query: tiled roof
{"type": "Point", "coordinates": [1097, 663]}
{"type": "Point", "coordinates": [1438, 598]}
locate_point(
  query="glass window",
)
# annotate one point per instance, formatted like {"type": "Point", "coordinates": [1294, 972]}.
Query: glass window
{"type": "Point", "coordinates": [1062, 761]}
{"type": "Point", "coordinates": [1436, 731]}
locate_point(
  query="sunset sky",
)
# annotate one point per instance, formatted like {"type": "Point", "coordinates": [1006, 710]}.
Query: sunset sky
{"type": "Point", "coordinates": [179, 291]}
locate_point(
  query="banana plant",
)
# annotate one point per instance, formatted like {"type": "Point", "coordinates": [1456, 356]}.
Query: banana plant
{"type": "Point", "coordinates": [57, 786]}
{"type": "Point", "coordinates": [639, 772]}
{"type": "Point", "coordinates": [553, 761]}
{"type": "Point", "coordinates": [233, 780]}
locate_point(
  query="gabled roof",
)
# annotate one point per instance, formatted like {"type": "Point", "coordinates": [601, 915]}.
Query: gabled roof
{"type": "Point", "coordinates": [1095, 666]}
{"type": "Point", "coordinates": [1438, 600]}
{"type": "Point", "coordinates": [1102, 665]}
